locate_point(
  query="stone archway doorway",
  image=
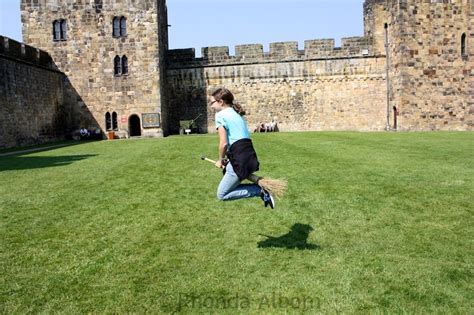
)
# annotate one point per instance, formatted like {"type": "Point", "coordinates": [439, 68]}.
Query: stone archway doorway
{"type": "Point", "coordinates": [134, 126]}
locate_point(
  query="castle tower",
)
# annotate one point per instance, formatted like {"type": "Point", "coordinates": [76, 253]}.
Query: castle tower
{"type": "Point", "coordinates": [432, 48]}
{"type": "Point", "coordinates": [376, 15]}
{"type": "Point", "coordinates": [112, 52]}
{"type": "Point", "coordinates": [430, 60]}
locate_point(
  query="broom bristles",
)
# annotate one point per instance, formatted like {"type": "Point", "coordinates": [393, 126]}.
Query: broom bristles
{"type": "Point", "coordinates": [276, 187]}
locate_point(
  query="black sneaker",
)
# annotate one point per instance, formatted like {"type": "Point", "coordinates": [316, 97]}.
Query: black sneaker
{"type": "Point", "coordinates": [267, 199]}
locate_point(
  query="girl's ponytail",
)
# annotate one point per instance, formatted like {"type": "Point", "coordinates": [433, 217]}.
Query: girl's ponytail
{"type": "Point", "coordinates": [223, 94]}
{"type": "Point", "coordinates": [239, 109]}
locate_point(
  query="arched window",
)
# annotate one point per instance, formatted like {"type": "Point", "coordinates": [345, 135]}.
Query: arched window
{"type": "Point", "coordinates": [117, 66]}
{"type": "Point", "coordinates": [63, 30]}
{"type": "Point", "coordinates": [56, 30]}
{"type": "Point", "coordinates": [124, 64]}
{"type": "Point", "coordinates": [59, 30]}
{"type": "Point", "coordinates": [463, 45]}
{"type": "Point", "coordinates": [123, 26]}
{"type": "Point", "coordinates": [120, 26]}
{"type": "Point", "coordinates": [108, 122]}
{"type": "Point", "coordinates": [114, 121]}
{"type": "Point", "coordinates": [116, 25]}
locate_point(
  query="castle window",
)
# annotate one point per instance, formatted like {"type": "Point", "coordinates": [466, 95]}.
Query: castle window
{"type": "Point", "coordinates": [120, 65]}
{"type": "Point", "coordinates": [116, 23]}
{"type": "Point", "coordinates": [98, 6]}
{"type": "Point", "coordinates": [119, 26]}
{"type": "Point", "coordinates": [123, 26]}
{"type": "Point", "coordinates": [114, 121]}
{"type": "Point", "coordinates": [124, 65]}
{"type": "Point", "coordinates": [463, 45]}
{"type": "Point", "coordinates": [56, 30]}
{"type": "Point", "coordinates": [59, 30]}
{"type": "Point", "coordinates": [63, 30]}
{"type": "Point", "coordinates": [108, 121]}
{"type": "Point", "coordinates": [117, 66]}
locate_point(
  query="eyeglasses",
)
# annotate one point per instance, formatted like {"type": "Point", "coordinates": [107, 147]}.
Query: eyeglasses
{"type": "Point", "coordinates": [213, 102]}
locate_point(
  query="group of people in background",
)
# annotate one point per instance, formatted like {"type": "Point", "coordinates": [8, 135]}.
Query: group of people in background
{"type": "Point", "coordinates": [266, 127]}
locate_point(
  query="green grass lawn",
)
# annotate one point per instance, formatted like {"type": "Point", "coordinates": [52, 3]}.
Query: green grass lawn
{"type": "Point", "coordinates": [370, 222]}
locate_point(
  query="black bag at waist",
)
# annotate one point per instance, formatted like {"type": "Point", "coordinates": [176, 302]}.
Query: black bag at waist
{"type": "Point", "coordinates": [243, 158]}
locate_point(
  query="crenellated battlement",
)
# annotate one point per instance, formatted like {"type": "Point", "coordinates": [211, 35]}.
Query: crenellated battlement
{"type": "Point", "coordinates": [416, 2]}
{"type": "Point", "coordinates": [88, 5]}
{"type": "Point", "coordinates": [279, 52]}
{"type": "Point", "coordinates": [368, 4]}
{"type": "Point", "coordinates": [376, 14]}
{"type": "Point", "coordinates": [445, 4]}
{"type": "Point", "coordinates": [19, 51]}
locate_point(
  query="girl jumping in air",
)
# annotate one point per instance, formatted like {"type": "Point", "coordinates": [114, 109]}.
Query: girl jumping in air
{"type": "Point", "coordinates": [234, 141]}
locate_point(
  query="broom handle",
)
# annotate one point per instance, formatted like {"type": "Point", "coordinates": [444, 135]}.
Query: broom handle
{"type": "Point", "coordinates": [209, 160]}
{"type": "Point", "coordinates": [252, 177]}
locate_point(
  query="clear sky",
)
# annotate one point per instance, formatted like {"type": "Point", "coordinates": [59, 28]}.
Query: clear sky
{"type": "Point", "coordinates": [200, 23]}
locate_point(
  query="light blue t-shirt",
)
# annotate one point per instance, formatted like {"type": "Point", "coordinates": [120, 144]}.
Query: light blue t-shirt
{"type": "Point", "coordinates": [234, 124]}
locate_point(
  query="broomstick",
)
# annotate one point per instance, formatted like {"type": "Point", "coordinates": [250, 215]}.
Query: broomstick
{"type": "Point", "coordinates": [276, 187]}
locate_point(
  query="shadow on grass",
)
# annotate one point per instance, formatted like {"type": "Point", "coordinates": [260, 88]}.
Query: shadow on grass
{"type": "Point", "coordinates": [31, 162]}
{"type": "Point", "coordinates": [40, 147]}
{"type": "Point", "coordinates": [296, 238]}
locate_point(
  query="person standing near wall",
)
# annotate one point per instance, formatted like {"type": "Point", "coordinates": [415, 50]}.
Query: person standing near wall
{"type": "Point", "coordinates": [235, 143]}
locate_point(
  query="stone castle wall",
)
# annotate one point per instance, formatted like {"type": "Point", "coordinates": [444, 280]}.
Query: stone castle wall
{"type": "Point", "coordinates": [320, 88]}
{"type": "Point", "coordinates": [87, 56]}
{"type": "Point", "coordinates": [36, 105]}
{"type": "Point", "coordinates": [328, 88]}
{"type": "Point", "coordinates": [433, 84]}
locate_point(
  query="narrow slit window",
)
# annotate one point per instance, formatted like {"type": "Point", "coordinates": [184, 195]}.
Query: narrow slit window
{"type": "Point", "coordinates": [56, 30]}
{"type": "Point", "coordinates": [116, 26]}
{"type": "Point", "coordinates": [63, 30]}
{"type": "Point", "coordinates": [114, 121]}
{"type": "Point", "coordinates": [463, 45]}
{"type": "Point", "coordinates": [108, 122]}
{"type": "Point", "coordinates": [123, 26]}
{"type": "Point", "coordinates": [117, 66]}
{"type": "Point", "coordinates": [124, 65]}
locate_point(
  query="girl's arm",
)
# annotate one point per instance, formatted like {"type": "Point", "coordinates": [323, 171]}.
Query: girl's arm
{"type": "Point", "coordinates": [222, 146]}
